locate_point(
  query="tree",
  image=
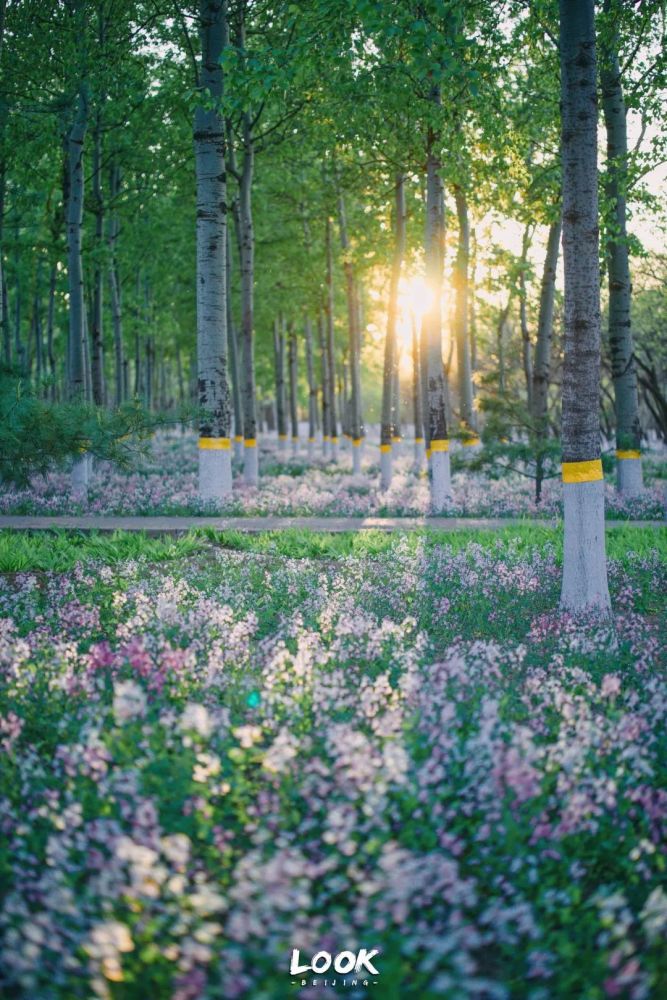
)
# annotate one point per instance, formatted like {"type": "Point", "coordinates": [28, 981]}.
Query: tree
{"type": "Point", "coordinates": [623, 366]}
{"type": "Point", "coordinates": [584, 582]}
{"type": "Point", "coordinates": [215, 467]}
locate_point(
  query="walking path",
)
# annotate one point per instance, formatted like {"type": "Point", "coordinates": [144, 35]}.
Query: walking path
{"type": "Point", "coordinates": [176, 525]}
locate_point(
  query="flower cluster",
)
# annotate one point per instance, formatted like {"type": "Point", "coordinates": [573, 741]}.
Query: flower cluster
{"type": "Point", "coordinates": [206, 766]}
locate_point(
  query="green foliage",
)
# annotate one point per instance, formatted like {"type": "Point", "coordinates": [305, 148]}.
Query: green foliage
{"type": "Point", "coordinates": [37, 435]}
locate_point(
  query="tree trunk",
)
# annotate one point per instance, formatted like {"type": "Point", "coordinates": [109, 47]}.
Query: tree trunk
{"type": "Point", "coordinates": [326, 399]}
{"type": "Point", "coordinates": [584, 560]}
{"type": "Point", "coordinates": [281, 401]}
{"type": "Point", "coordinates": [526, 346]}
{"type": "Point", "coordinates": [97, 362]}
{"type": "Point", "coordinates": [437, 402]}
{"type": "Point", "coordinates": [390, 351]}
{"type": "Point", "coordinates": [461, 321]}
{"type": "Point", "coordinates": [312, 388]}
{"type": "Point", "coordinates": [293, 399]}
{"type": "Point", "coordinates": [50, 353]}
{"type": "Point", "coordinates": [417, 399]}
{"type": "Point", "coordinates": [234, 360]}
{"type": "Point", "coordinates": [215, 467]}
{"type": "Point", "coordinates": [623, 367]}
{"type": "Point", "coordinates": [247, 258]}
{"type": "Point", "coordinates": [542, 366]}
{"type": "Point", "coordinates": [4, 315]}
{"type": "Point", "coordinates": [355, 424]}
{"type": "Point", "coordinates": [114, 287]}
{"type": "Point", "coordinates": [77, 320]}
{"type": "Point", "coordinates": [331, 353]}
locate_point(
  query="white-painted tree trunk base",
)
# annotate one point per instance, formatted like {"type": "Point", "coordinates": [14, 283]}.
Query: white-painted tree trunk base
{"type": "Point", "coordinates": [238, 451]}
{"type": "Point", "coordinates": [326, 450]}
{"type": "Point", "coordinates": [396, 449]}
{"type": "Point", "coordinates": [295, 447]}
{"type": "Point", "coordinates": [386, 469]}
{"type": "Point", "coordinates": [441, 480]}
{"type": "Point", "coordinates": [419, 456]}
{"type": "Point", "coordinates": [80, 477]}
{"type": "Point", "coordinates": [356, 459]}
{"type": "Point", "coordinates": [251, 466]}
{"type": "Point", "coordinates": [311, 451]}
{"type": "Point", "coordinates": [335, 450]}
{"type": "Point", "coordinates": [629, 477]}
{"type": "Point", "coordinates": [215, 474]}
{"type": "Point", "coordinates": [90, 459]}
{"type": "Point", "coordinates": [282, 449]}
{"type": "Point", "coordinates": [584, 558]}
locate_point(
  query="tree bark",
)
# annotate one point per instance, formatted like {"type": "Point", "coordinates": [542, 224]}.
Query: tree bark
{"type": "Point", "coordinates": [355, 428]}
{"type": "Point", "coordinates": [312, 388]}
{"type": "Point", "coordinates": [623, 367]}
{"type": "Point", "coordinates": [461, 319]}
{"type": "Point", "coordinates": [97, 357]}
{"type": "Point", "coordinates": [437, 397]}
{"type": "Point", "coordinates": [293, 398]}
{"type": "Point", "coordinates": [326, 400]}
{"type": "Point", "coordinates": [387, 421]}
{"type": "Point", "coordinates": [417, 408]}
{"type": "Point", "coordinates": [526, 346]}
{"type": "Point", "coordinates": [331, 350]}
{"type": "Point", "coordinates": [234, 360]}
{"type": "Point", "coordinates": [542, 365]}
{"type": "Point", "coordinates": [584, 561]}
{"type": "Point", "coordinates": [114, 287]}
{"type": "Point", "coordinates": [281, 400]}
{"type": "Point", "coordinates": [215, 470]}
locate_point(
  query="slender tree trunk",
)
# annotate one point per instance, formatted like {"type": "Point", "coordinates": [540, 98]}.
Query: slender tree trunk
{"type": "Point", "coordinates": [437, 401]}
{"type": "Point", "coordinates": [234, 359]}
{"type": "Point", "coordinates": [281, 401]}
{"type": "Point", "coordinates": [97, 363]}
{"type": "Point", "coordinates": [114, 287]}
{"type": "Point", "coordinates": [542, 366]}
{"type": "Point", "coordinates": [312, 388]}
{"type": "Point", "coordinates": [584, 560]}
{"type": "Point", "coordinates": [215, 466]}
{"type": "Point", "coordinates": [623, 367]}
{"type": "Point", "coordinates": [526, 346]}
{"type": "Point", "coordinates": [461, 320]}
{"type": "Point", "coordinates": [247, 257]}
{"type": "Point", "coordinates": [331, 355]}
{"type": "Point", "coordinates": [50, 316]}
{"type": "Point", "coordinates": [77, 319]}
{"type": "Point", "coordinates": [417, 408]}
{"type": "Point", "coordinates": [326, 399]}
{"type": "Point", "coordinates": [390, 347]}
{"type": "Point", "coordinates": [293, 398]}
{"type": "Point", "coordinates": [355, 423]}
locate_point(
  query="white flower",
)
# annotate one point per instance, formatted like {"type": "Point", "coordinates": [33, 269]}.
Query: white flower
{"type": "Point", "coordinates": [129, 701]}
{"type": "Point", "coordinates": [654, 914]}
{"type": "Point", "coordinates": [196, 719]}
{"type": "Point", "coordinates": [207, 766]}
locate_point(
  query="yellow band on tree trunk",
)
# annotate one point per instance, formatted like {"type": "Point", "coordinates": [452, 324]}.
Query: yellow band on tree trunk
{"type": "Point", "coordinates": [470, 442]}
{"type": "Point", "coordinates": [356, 442]}
{"type": "Point", "coordinates": [251, 442]}
{"type": "Point", "coordinates": [384, 448]}
{"type": "Point", "coordinates": [282, 437]}
{"type": "Point", "coordinates": [628, 454]}
{"type": "Point", "coordinates": [239, 438]}
{"type": "Point", "coordinates": [428, 452]}
{"type": "Point", "coordinates": [582, 472]}
{"type": "Point", "coordinates": [214, 444]}
{"type": "Point", "coordinates": [440, 445]}
{"type": "Point", "coordinates": [419, 440]}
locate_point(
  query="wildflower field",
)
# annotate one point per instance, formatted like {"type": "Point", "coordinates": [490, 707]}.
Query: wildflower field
{"type": "Point", "coordinates": [223, 748]}
{"type": "Point", "coordinates": [163, 480]}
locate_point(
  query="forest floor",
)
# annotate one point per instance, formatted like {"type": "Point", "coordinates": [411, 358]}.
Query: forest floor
{"type": "Point", "coordinates": [219, 747]}
{"type": "Point", "coordinates": [163, 482]}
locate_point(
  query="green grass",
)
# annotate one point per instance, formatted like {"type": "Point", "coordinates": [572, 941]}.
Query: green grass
{"type": "Point", "coordinates": [59, 551]}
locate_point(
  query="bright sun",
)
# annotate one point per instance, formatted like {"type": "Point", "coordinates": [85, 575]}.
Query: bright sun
{"type": "Point", "coordinates": [414, 300]}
